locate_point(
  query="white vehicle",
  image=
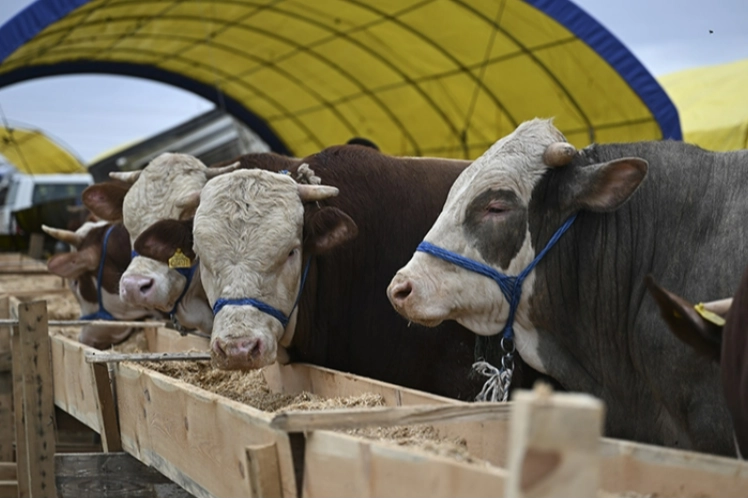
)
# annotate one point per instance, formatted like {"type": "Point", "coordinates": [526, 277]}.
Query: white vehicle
{"type": "Point", "coordinates": [22, 191]}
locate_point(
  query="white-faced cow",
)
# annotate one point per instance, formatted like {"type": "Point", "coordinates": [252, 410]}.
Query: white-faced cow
{"type": "Point", "coordinates": [579, 313]}
{"type": "Point", "coordinates": [93, 270]}
{"type": "Point", "coordinates": [719, 331]}
{"type": "Point", "coordinates": [143, 198]}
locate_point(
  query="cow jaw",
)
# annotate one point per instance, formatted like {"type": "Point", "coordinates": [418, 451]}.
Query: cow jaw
{"type": "Point", "coordinates": [151, 284]}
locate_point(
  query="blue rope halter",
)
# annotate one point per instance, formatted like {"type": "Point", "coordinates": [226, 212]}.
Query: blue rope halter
{"type": "Point", "coordinates": [496, 387]}
{"type": "Point", "coordinates": [101, 313]}
{"type": "Point", "coordinates": [511, 286]}
{"type": "Point", "coordinates": [261, 305]}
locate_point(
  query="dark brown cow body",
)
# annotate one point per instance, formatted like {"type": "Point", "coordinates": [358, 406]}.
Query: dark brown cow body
{"type": "Point", "coordinates": [726, 344]}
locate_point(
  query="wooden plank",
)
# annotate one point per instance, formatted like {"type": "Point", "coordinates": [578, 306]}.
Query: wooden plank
{"type": "Point", "coordinates": [9, 488]}
{"type": "Point", "coordinates": [632, 468]}
{"type": "Point", "coordinates": [195, 437]}
{"type": "Point", "coordinates": [263, 470]}
{"type": "Point", "coordinates": [97, 357]}
{"type": "Point", "coordinates": [24, 271]}
{"type": "Point", "coordinates": [74, 385]}
{"type": "Point", "coordinates": [345, 418]}
{"type": "Point", "coordinates": [111, 475]}
{"type": "Point", "coordinates": [553, 447]}
{"type": "Point", "coordinates": [295, 378]}
{"type": "Point", "coordinates": [168, 340]}
{"type": "Point", "coordinates": [8, 471]}
{"type": "Point", "coordinates": [110, 438]}
{"type": "Point", "coordinates": [339, 465]}
{"type": "Point", "coordinates": [22, 458]}
{"type": "Point", "coordinates": [69, 323]}
{"type": "Point", "coordinates": [7, 428]}
{"type": "Point", "coordinates": [36, 245]}
{"type": "Point", "coordinates": [37, 400]}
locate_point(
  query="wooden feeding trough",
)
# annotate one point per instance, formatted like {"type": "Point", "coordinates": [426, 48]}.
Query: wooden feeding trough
{"type": "Point", "coordinates": [541, 444]}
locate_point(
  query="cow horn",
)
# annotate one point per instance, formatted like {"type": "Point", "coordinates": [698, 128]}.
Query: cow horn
{"type": "Point", "coordinates": [316, 192]}
{"type": "Point", "coordinates": [214, 172]}
{"type": "Point", "coordinates": [559, 154]}
{"type": "Point", "coordinates": [719, 307]}
{"type": "Point", "coordinates": [129, 177]}
{"type": "Point", "coordinates": [66, 236]}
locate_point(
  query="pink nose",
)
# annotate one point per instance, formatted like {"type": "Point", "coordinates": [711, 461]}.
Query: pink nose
{"type": "Point", "coordinates": [136, 288]}
{"type": "Point", "coordinates": [242, 353]}
{"type": "Point", "coordinates": [399, 291]}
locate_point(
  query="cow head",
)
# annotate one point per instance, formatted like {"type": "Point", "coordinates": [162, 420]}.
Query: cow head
{"type": "Point", "coordinates": [81, 268]}
{"type": "Point", "coordinates": [253, 238]}
{"type": "Point", "coordinates": [700, 327]}
{"type": "Point", "coordinates": [486, 218]}
{"type": "Point", "coordinates": [167, 189]}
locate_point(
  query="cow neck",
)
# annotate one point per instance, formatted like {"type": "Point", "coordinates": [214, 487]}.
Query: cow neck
{"type": "Point", "coordinates": [264, 307]}
{"type": "Point", "coordinates": [497, 386]}
{"type": "Point", "coordinates": [101, 313]}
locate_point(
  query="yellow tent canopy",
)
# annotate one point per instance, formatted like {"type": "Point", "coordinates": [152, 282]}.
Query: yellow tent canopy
{"type": "Point", "coordinates": [31, 151]}
{"type": "Point", "coordinates": [418, 77]}
{"type": "Point", "coordinates": [713, 104]}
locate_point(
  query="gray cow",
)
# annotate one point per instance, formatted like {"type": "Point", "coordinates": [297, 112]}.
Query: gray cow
{"type": "Point", "coordinates": [665, 208]}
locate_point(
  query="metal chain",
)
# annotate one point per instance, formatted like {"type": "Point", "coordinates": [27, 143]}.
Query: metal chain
{"type": "Point", "coordinates": [496, 387]}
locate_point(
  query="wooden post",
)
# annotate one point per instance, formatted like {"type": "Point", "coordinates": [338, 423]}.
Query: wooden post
{"type": "Point", "coordinates": [110, 437]}
{"type": "Point", "coordinates": [34, 402]}
{"type": "Point", "coordinates": [554, 444]}
{"type": "Point", "coordinates": [7, 433]}
{"type": "Point", "coordinates": [263, 470]}
{"type": "Point", "coordinates": [36, 245]}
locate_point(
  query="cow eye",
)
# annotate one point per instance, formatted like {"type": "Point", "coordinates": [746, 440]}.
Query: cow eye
{"type": "Point", "coordinates": [496, 208]}
{"type": "Point", "coordinates": [293, 252]}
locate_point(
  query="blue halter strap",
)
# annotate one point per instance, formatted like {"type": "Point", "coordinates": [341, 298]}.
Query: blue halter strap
{"type": "Point", "coordinates": [188, 274]}
{"type": "Point", "coordinates": [511, 286]}
{"type": "Point", "coordinates": [101, 313]}
{"type": "Point", "coordinates": [497, 386]}
{"type": "Point", "coordinates": [261, 305]}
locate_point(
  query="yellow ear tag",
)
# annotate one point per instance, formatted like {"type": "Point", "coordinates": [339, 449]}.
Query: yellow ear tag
{"type": "Point", "coordinates": [709, 315]}
{"type": "Point", "coordinates": [179, 260]}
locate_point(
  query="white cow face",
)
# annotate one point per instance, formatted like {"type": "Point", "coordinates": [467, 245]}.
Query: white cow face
{"type": "Point", "coordinates": [166, 189]}
{"type": "Point", "coordinates": [248, 235]}
{"type": "Point", "coordinates": [485, 218]}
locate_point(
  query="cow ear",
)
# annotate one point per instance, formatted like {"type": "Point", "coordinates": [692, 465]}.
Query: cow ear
{"type": "Point", "coordinates": [327, 228]}
{"type": "Point", "coordinates": [605, 187]}
{"type": "Point", "coordinates": [161, 240]}
{"type": "Point", "coordinates": [688, 325]}
{"type": "Point", "coordinates": [71, 265]}
{"type": "Point", "coordinates": [105, 200]}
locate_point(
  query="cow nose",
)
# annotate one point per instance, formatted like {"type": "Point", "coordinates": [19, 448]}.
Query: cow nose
{"type": "Point", "coordinates": [136, 287]}
{"type": "Point", "coordinates": [237, 353]}
{"type": "Point", "coordinates": [399, 291]}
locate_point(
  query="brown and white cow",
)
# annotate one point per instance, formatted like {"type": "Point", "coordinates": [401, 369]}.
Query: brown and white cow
{"type": "Point", "coordinates": [719, 331]}
{"type": "Point", "coordinates": [82, 267]}
{"type": "Point", "coordinates": [141, 199]}
{"type": "Point", "coordinates": [665, 208]}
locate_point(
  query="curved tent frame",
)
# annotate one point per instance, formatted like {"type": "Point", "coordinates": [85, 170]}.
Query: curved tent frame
{"type": "Point", "coordinates": [395, 72]}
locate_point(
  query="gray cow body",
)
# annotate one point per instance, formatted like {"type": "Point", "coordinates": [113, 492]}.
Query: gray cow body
{"type": "Point", "coordinates": [599, 333]}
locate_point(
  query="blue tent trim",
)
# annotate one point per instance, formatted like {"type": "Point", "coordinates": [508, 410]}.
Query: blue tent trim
{"type": "Point", "coordinates": [30, 21]}
{"type": "Point", "coordinates": [232, 106]}
{"type": "Point", "coordinates": [602, 41]}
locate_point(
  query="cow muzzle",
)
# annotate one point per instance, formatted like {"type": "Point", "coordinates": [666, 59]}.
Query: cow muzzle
{"type": "Point", "coordinates": [240, 353]}
{"type": "Point", "coordinates": [408, 296]}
